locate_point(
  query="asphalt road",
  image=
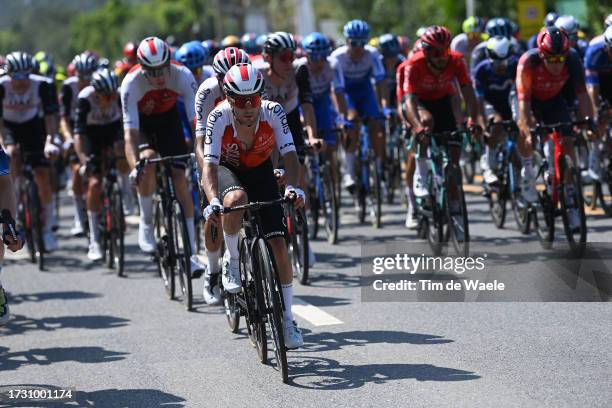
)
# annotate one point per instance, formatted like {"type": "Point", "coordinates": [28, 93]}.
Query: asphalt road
{"type": "Point", "coordinates": [118, 342]}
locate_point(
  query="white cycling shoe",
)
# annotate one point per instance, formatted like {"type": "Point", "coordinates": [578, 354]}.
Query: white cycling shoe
{"type": "Point", "coordinates": [293, 335]}
{"type": "Point", "coordinates": [146, 238]}
{"type": "Point", "coordinates": [94, 253]}
{"type": "Point", "coordinates": [211, 292]}
{"type": "Point", "coordinates": [197, 267]}
{"type": "Point", "coordinates": [231, 274]}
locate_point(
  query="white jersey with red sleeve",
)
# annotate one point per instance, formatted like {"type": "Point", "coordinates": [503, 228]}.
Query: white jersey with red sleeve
{"type": "Point", "coordinates": [208, 96]}
{"type": "Point", "coordinates": [138, 96]}
{"type": "Point", "coordinates": [221, 145]}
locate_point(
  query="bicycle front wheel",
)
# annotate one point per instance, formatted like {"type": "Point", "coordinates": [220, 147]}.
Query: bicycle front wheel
{"type": "Point", "coordinates": [299, 245]}
{"type": "Point", "coordinates": [37, 219]}
{"type": "Point", "coordinates": [456, 211]}
{"type": "Point", "coordinates": [116, 229]}
{"type": "Point", "coordinates": [273, 298]}
{"type": "Point", "coordinates": [375, 192]}
{"type": "Point", "coordinates": [572, 205]}
{"type": "Point", "coordinates": [181, 252]}
{"type": "Point", "coordinates": [330, 206]}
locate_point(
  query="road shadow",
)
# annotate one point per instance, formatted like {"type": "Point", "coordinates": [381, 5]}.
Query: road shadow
{"type": "Point", "coordinates": [43, 296]}
{"type": "Point", "coordinates": [327, 341]}
{"type": "Point", "coordinates": [46, 356]}
{"type": "Point", "coordinates": [324, 300]}
{"type": "Point", "coordinates": [334, 279]}
{"type": "Point", "coordinates": [327, 374]}
{"type": "Point", "coordinates": [20, 324]}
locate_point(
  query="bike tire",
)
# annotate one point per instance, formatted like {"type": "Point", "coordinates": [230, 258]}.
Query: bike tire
{"type": "Point", "coordinates": [181, 252]}
{"type": "Point", "coordinates": [434, 226]}
{"type": "Point", "coordinates": [274, 305]}
{"type": "Point", "coordinates": [454, 177]}
{"type": "Point", "coordinates": [37, 224]}
{"type": "Point", "coordinates": [604, 191]}
{"type": "Point", "coordinates": [299, 246]}
{"type": "Point", "coordinates": [498, 196]}
{"type": "Point", "coordinates": [330, 207]}
{"type": "Point", "coordinates": [26, 222]}
{"type": "Point", "coordinates": [117, 230]}
{"type": "Point", "coordinates": [544, 219]}
{"type": "Point", "coordinates": [520, 209]}
{"type": "Point", "coordinates": [375, 192]}
{"type": "Point", "coordinates": [576, 241]}
{"type": "Point", "coordinates": [164, 259]}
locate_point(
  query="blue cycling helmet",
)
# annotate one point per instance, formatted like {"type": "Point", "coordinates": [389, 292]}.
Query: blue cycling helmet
{"type": "Point", "coordinates": [249, 43]}
{"type": "Point", "coordinates": [316, 44]}
{"type": "Point", "coordinates": [192, 54]}
{"type": "Point", "coordinates": [357, 29]}
{"type": "Point", "coordinates": [499, 27]}
{"type": "Point", "coordinates": [389, 45]}
{"type": "Point", "coordinates": [550, 19]}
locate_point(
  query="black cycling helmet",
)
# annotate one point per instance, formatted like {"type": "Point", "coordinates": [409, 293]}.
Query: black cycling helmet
{"type": "Point", "coordinates": [278, 41]}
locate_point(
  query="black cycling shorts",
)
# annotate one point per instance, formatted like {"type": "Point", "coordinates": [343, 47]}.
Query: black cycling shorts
{"type": "Point", "coordinates": [259, 184]}
{"type": "Point", "coordinates": [163, 132]}
{"type": "Point", "coordinates": [31, 137]}
{"type": "Point", "coordinates": [442, 112]}
{"type": "Point", "coordinates": [96, 139]}
{"type": "Point", "coordinates": [551, 111]}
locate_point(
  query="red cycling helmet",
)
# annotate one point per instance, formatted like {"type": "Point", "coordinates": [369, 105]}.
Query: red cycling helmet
{"type": "Point", "coordinates": [437, 37]}
{"type": "Point", "coordinates": [129, 50]}
{"type": "Point", "coordinates": [552, 41]}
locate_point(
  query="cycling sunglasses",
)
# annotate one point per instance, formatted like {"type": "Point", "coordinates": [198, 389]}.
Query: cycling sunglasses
{"type": "Point", "coordinates": [155, 72]}
{"type": "Point", "coordinates": [240, 101]}
{"type": "Point", "coordinates": [435, 52]}
{"type": "Point", "coordinates": [555, 59]}
{"type": "Point", "coordinates": [286, 56]}
{"type": "Point", "coordinates": [19, 75]}
{"type": "Point", "coordinates": [356, 42]}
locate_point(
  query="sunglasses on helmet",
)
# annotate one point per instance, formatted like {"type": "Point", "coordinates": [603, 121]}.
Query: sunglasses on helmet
{"type": "Point", "coordinates": [241, 101]}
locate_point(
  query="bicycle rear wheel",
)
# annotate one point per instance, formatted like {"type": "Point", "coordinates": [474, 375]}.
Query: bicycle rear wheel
{"type": "Point", "coordinates": [299, 245]}
{"type": "Point", "coordinates": [374, 192]}
{"type": "Point", "coordinates": [165, 262]}
{"type": "Point", "coordinates": [520, 209]}
{"type": "Point", "coordinates": [330, 206]}
{"type": "Point", "coordinates": [25, 218]}
{"type": "Point", "coordinates": [181, 252]}
{"type": "Point", "coordinates": [498, 196]}
{"type": "Point", "coordinates": [572, 202]}
{"type": "Point", "coordinates": [544, 219]}
{"type": "Point", "coordinates": [274, 305]}
{"type": "Point", "coordinates": [37, 218]}
{"type": "Point", "coordinates": [459, 232]}
{"type": "Point", "coordinates": [117, 230]}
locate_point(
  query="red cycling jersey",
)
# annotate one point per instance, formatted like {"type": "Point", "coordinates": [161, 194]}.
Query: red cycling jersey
{"type": "Point", "coordinates": [420, 81]}
{"type": "Point", "coordinates": [400, 74]}
{"type": "Point", "coordinates": [533, 80]}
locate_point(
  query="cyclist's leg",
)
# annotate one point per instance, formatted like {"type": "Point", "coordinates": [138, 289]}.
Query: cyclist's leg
{"type": "Point", "coordinates": [487, 162]}
{"type": "Point", "coordinates": [123, 168]}
{"type": "Point", "coordinates": [425, 111]}
{"type": "Point", "coordinates": [146, 188]}
{"type": "Point", "coordinates": [7, 201]}
{"type": "Point", "coordinates": [351, 144]}
{"type": "Point", "coordinates": [79, 193]}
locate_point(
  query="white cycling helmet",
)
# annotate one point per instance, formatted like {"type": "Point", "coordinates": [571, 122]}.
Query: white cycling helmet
{"type": "Point", "coordinates": [498, 48]}
{"type": "Point", "coordinates": [243, 79]}
{"type": "Point", "coordinates": [568, 24]}
{"type": "Point", "coordinates": [153, 52]}
{"type": "Point", "coordinates": [227, 58]}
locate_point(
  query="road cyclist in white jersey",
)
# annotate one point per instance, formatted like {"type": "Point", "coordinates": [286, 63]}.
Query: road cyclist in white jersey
{"type": "Point", "coordinates": [209, 95]}
{"type": "Point", "coordinates": [29, 125]}
{"type": "Point", "coordinates": [241, 134]}
{"type": "Point", "coordinates": [152, 126]}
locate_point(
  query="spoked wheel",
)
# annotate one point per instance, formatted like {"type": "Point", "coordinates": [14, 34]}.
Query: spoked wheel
{"type": "Point", "coordinates": [37, 225]}
{"type": "Point", "coordinates": [274, 306]}
{"type": "Point", "coordinates": [520, 209]}
{"type": "Point", "coordinates": [158, 230]}
{"type": "Point", "coordinates": [116, 230]}
{"type": "Point", "coordinates": [374, 193]}
{"type": "Point", "coordinates": [26, 221]}
{"type": "Point", "coordinates": [497, 197]}
{"type": "Point", "coordinates": [315, 212]}
{"type": "Point", "coordinates": [433, 226]}
{"type": "Point", "coordinates": [255, 309]}
{"type": "Point", "coordinates": [457, 218]}
{"type": "Point", "coordinates": [165, 264]}
{"type": "Point", "coordinates": [572, 205]}
{"type": "Point", "coordinates": [298, 245]}
{"type": "Point", "coordinates": [605, 188]}
{"type": "Point", "coordinates": [330, 207]}
{"type": "Point", "coordinates": [544, 219]}
{"type": "Point", "coordinates": [182, 254]}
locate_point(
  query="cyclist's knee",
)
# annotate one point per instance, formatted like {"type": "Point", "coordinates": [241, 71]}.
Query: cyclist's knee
{"type": "Point", "coordinates": [234, 198]}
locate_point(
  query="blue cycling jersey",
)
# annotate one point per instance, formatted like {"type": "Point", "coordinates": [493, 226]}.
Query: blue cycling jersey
{"type": "Point", "coordinates": [493, 87]}
{"type": "Point", "coordinates": [597, 63]}
{"type": "Point", "coordinates": [359, 73]}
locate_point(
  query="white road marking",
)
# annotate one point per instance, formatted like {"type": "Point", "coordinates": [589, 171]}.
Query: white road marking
{"type": "Point", "coordinates": [16, 256]}
{"type": "Point", "coordinates": [313, 314]}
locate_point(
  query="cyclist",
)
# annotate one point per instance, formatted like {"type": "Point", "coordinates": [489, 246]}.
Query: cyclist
{"type": "Point", "coordinates": [7, 201]}
{"type": "Point", "coordinates": [210, 94]}
{"type": "Point", "coordinates": [540, 77]}
{"type": "Point", "coordinates": [243, 131]}
{"type": "Point", "coordinates": [598, 65]}
{"type": "Point", "coordinates": [570, 25]}
{"type": "Point", "coordinates": [98, 129]}
{"type": "Point", "coordinates": [473, 34]}
{"type": "Point", "coordinates": [85, 65]}
{"type": "Point", "coordinates": [391, 57]}
{"type": "Point", "coordinates": [123, 66]}
{"type": "Point", "coordinates": [325, 76]}
{"type": "Point", "coordinates": [151, 124]}
{"type": "Point", "coordinates": [360, 64]}
{"type": "Point", "coordinates": [230, 41]}
{"type": "Point", "coordinates": [432, 102]}
{"type": "Point", "coordinates": [29, 110]}
{"type": "Point", "coordinates": [549, 21]}
{"type": "Point", "coordinates": [493, 79]}
{"type": "Point", "coordinates": [496, 27]}
{"type": "Point", "coordinates": [250, 45]}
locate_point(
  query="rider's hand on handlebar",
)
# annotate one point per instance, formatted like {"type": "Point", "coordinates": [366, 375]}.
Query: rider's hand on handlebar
{"type": "Point", "coordinates": [317, 144]}
{"type": "Point", "coordinates": [212, 211]}
{"type": "Point", "coordinates": [280, 176]}
{"type": "Point", "coordinates": [296, 195]}
{"type": "Point", "coordinates": [51, 150]}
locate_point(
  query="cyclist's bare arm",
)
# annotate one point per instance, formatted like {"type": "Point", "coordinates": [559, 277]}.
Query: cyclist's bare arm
{"type": "Point", "coordinates": [470, 101]}
{"type": "Point", "coordinates": [131, 137]}
{"type": "Point", "coordinates": [51, 126]}
{"type": "Point", "coordinates": [78, 148]}
{"type": "Point", "coordinates": [210, 180]}
{"type": "Point", "coordinates": [341, 105]}
{"type": "Point", "coordinates": [66, 128]}
{"type": "Point", "coordinates": [593, 90]}
{"type": "Point", "coordinates": [412, 110]}
{"type": "Point", "coordinates": [382, 90]}
{"type": "Point", "coordinates": [310, 121]}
